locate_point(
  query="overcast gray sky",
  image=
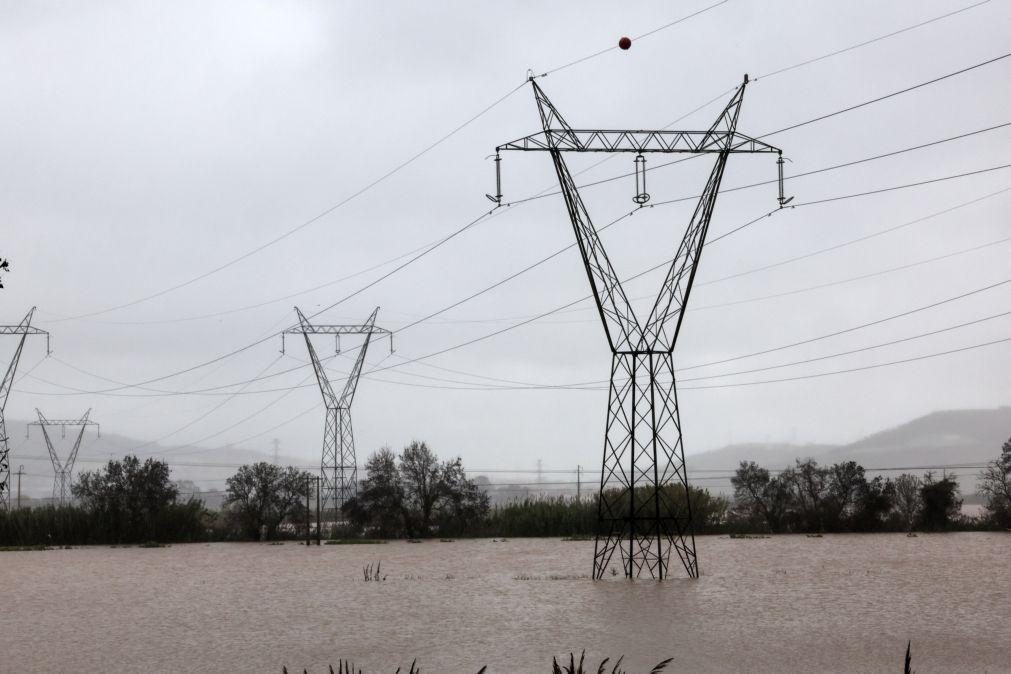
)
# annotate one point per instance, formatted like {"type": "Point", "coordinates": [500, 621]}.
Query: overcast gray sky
{"type": "Point", "coordinates": [145, 144]}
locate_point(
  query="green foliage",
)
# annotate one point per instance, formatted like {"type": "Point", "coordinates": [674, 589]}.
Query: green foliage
{"type": "Point", "coordinates": [807, 498]}
{"type": "Point", "coordinates": [263, 495]}
{"type": "Point", "coordinates": [941, 504]}
{"type": "Point", "coordinates": [415, 494]}
{"type": "Point", "coordinates": [73, 525]}
{"type": "Point", "coordinates": [126, 502]}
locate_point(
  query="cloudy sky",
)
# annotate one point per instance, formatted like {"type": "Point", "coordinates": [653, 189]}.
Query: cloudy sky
{"type": "Point", "coordinates": [165, 167]}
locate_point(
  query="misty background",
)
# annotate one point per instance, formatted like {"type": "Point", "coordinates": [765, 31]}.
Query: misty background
{"type": "Point", "coordinates": [146, 145]}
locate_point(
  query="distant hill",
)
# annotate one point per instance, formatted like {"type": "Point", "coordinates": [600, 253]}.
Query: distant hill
{"type": "Point", "coordinates": [951, 436]}
{"type": "Point", "coordinates": [940, 438]}
{"type": "Point", "coordinates": [205, 467]}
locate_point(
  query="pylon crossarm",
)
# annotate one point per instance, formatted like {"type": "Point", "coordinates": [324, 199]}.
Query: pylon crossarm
{"type": "Point", "coordinates": [339, 330]}
{"type": "Point", "coordinates": [638, 142]}
{"type": "Point", "coordinates": [19, 330]}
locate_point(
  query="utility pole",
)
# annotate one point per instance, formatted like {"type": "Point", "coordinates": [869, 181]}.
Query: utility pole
{"type": "Point", "coordinates": [338, 467]}
{"type": "Point", "coordinates": [24, 328]}
{"type": "Point", "coordinates": [319, 521]}
{"type": "Point", "coordinates": [579, 484]}
{"type": "Point", "coordinates": [63, 470]}
{"type": "Point", "coordinates": [21, 471]}
{"type": "Point", "coordinates": [643, 451]}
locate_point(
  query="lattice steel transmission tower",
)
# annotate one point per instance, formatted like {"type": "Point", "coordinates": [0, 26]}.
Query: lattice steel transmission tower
{"type": "Point", "coordinates": [64, 470]}
{"type": "Point", "coordinates": [338, 466]}
{"type": "Point", "coordinates": [644, 506]}
{"type": "Point", "coordinates": [24, 328]}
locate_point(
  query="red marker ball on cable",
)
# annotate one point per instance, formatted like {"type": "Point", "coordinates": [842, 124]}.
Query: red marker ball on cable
{"type": "Point", "coordinates": [625, 43]}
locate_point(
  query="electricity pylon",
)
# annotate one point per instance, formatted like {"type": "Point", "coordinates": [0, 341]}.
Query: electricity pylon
{"type": "Point", "coordinates": [24, 328]}
{"type": "Point", "coordinates": [644, 507]}
{"type": "Point", "coordinates": [63, 470]}
{"type": "Point", "coordinates": [338, 464]}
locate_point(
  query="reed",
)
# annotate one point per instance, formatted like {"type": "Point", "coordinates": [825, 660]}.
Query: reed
{"type": "Point", "coordinates": [578, 668]}
{"type": "Point", "coordinates": [373, 574]}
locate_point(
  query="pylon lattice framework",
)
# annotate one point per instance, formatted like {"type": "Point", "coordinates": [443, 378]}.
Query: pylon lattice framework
{"type": "Point", "coordinates": [338, 465]}
{"type": "Point", "coordinates": [24, 328]}
{"type": "Point", "coordinates": [644, 506]}
{"type": "Point", "coordinates": [63, 470]}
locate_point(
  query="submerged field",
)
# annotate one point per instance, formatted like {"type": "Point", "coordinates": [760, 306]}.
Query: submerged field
{"type": "Point", "coordinates": [787, 603]}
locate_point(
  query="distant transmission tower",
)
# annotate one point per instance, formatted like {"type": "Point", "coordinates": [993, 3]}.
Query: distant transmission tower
{"type": "Point", "coordinates": [338, 465]}
{"type": "Point", "coordinates": [641, 513]}
{"type": "Point", "coordinates": [63, 470]}
{"type": "Point", "coordinates": [24, 329]}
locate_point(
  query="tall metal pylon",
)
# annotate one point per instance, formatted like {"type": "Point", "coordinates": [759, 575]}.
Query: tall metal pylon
{"type": "Point", "coordinates": [338, 466]}
{"type": "Point", "coordinates": [641, 513]}
{"type": "Point", "coordinates": [24, 328]}
{"type": "Point", "coordinates": [64, 470]}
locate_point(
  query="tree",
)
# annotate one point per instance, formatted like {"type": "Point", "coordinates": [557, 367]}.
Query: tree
{"type": "Point", "coordinates": [995, 485]}
{"type": "Point", "coordinates": [908, 500]}
{"type": "Point", "coordinates": [5, 266]}
{"type": "Point", "coordinates": [874, 500]}
{"type": "Point", "coordinates": [131, 498]}
{"type": "Point", "coordinates": [379, 506]}
{"type": "Point", "coordinates": [846, 485]}
{"type": "Point", "coordinates": [415, 492]}
{"type": "Point", "coordinates": [941, 504]}
{"type": "Point", "coordinates": [760, 498]}
{"type": "Point", "coordinates": [263, 495]}
{"type": "Point", "coordinates": [436, 489]}
{"type": "Point", "coordinates": [806, 485]}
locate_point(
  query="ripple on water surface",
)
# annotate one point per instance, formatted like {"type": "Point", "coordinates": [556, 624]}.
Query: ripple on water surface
{"type": "Point", "coordinates": [787, 603]}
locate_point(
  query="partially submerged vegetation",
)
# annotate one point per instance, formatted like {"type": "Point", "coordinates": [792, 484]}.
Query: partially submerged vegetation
{"type": "Point", "coordinates": [414, 496]}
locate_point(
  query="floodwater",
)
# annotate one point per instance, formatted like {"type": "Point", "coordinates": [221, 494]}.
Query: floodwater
{"type": "Point", "coordinates": [787, 603]}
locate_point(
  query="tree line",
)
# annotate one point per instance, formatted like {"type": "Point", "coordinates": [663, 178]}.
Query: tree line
{"type": "Point", "coordinates": [808, 498]}
{"type": "Point", "coordinates": [416, 494]}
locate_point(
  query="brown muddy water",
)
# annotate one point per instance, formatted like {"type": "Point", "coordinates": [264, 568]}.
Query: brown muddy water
{"type": "Point", "coordinates": [787, 603]}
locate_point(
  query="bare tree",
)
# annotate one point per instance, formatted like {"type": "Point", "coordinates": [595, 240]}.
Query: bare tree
{"type": "Point", "coordinates": [995, 485]}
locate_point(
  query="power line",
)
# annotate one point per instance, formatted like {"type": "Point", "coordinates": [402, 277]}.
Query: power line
{"type": "Point", "coordinates": [306, 223]}
{"type": "Point", "coordinates": [851, 279]}
{"type": "Point", "coordinates": [529, 471]}
{"type": "Point", "coordinates": [390, 173]}
{"type": "Point", "coordinates": [210, 390]}
{"type": "Point", "coordinates": [893, 94]}
{"type": "Point", "coordinates": [854, 328]}
{"type": "Point", "coordinates": [791, 127]}
{"type": "Point", "coordinates": [855, 162]}
{"type": "Point", "coordinates": [638, 37]}
{"type": "Point", "coordinates": [893, 342]}
{"type": "Point", "coordinates": [855, 369]}
{"type": "Point", "coordinates": [574, 302]}
{"type": "Point", "coordinates": [865, 43]}
{"type": "Point", "coordinates": [241, 349]}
